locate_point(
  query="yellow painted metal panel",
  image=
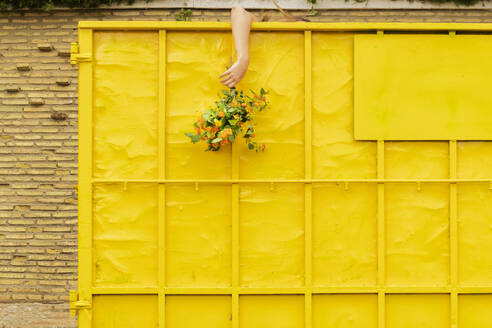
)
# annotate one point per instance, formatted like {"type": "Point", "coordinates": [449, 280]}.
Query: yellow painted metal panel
{"type": "Point", "coordinates": [276, 64]}
{"type": "Point", "coordinates": [320, 230]}
{"type": "Point", "coordinates": [416, 160]}
{"type": "Point", "coordinates": [271, 235]}
{"type": "Point", "coordinates": [475, 311]}
{"type": "Point", "coordinates": [198, 240]}
{"type": "Point", "coordinates": [194, 61]}
{"type": "Point", "coordinates": [475, 234]}
{"type": "Point", "coordinates": [344, 235]}
{"type": "Point", "coordinates": [423, 87]}
{"type": "Point", "coordinates": [198, 311]}
{"type": "Point", "coordinates": [417, 235]}
{"type": "Point", "coordinates": [125, 311]}
{"type": "Point", "coordinates": [335, 152]}
{"type": "Point", "coordinates": [417, 311]}
{"type": "Point", "coordinates": [474, 159]}
{"type": "Point", "coordinates": [125, 235]}
{"type": "Point", "coordinates": [345, 311]}
{"type": "Point", "coordinates": [125, 104]}
{"type": "Point", "coordinates": [271, 311]}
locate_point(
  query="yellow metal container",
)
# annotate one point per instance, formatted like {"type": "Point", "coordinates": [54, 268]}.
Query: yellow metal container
{"type": "Point", "coordinates": [388, 227]}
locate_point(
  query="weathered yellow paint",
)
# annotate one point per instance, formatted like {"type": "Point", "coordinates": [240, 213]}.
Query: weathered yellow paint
{"type": "Point", "coordinates": [423, 87]}
{"type": "Point", "coordinates": [321, 230]}
{"type": "Point", "coordinates": [417, 311]}
{"type": "Point", "coordinates": [209, 311]}
{"type": "Point", "coordinates": [345, 310]}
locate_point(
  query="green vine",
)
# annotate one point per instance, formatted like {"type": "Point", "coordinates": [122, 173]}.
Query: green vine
{"type": "Point", "coordinates": [183, 15]}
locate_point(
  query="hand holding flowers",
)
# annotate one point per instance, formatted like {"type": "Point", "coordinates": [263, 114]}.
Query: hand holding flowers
{"type": "Point", "coordinates": [232, 116]}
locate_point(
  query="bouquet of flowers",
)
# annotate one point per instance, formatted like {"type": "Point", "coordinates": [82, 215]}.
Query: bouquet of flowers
{"type": "Point", "coordinates": [231, 117]}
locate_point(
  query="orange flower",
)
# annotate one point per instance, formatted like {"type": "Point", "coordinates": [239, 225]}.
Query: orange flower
{"type": "Point", "coordinates": [218, 123]}
{"type": "Point", "coordinates": [221, 114]}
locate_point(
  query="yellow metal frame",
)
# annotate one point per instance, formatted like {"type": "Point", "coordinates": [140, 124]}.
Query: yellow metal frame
{"type": "Point", "coordinates": [86, 180]}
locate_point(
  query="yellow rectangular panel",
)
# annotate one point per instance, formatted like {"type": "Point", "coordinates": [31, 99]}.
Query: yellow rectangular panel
{"type": "Point", "coordinates": [198, 311]}
{"type": "Point", "coordinates": [417, 234]}
{"type": "Point", "coordinates": [279, 311]}
{"type": "Point", "coordinates": [194, 61]}
{"type": "Point", "coordinates": [423, 87]}
{"type": "Point", "coordinates": [345, 310]}
{"type": "Point", "coordinates": [474, 160]}
{"type": "Point", "coordinates": [125, 311]}
{"type": "Point", "coordinates": [475, 311]}
{"type": "Point", "coordinates": [198, 235]}
{"type": "Point", "coordinates": [335, 152]}
{"type": "Point", "coordinates": [416, 160]}
{"type": "Point", "coordinates": [125, 104]}
{"type": "Point", "coordinates": [276, 64]}
{"type": "Point", "coordinates": [417, 311]}
{"type": "Point", "coordinates": [271, 235]}
{"type": "Point", "coordinates": [344, 235]}
{"type": "Point", "coordinates": [475, 234]}
{"type": "Point", "coordinates": [125, 235]}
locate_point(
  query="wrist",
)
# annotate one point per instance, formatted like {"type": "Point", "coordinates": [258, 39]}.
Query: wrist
{"type": "Point", "coordinates": [243, 59]}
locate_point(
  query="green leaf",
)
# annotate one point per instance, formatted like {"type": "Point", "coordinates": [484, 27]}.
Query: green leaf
{"type": "Point", "coordinates": [231, 138]}
{"type": "Point", "coordinates": [217, 140]}
{"type": "Point", "coordinates": [196, 138]}
{"type": "Point", "coordinates": [232, 122]}
{"type": "Point", "coordinates": [251, 146]}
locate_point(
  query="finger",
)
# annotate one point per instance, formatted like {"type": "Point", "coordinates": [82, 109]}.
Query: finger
{"type": "Point", "coordinates": [231, 84]}
{"type": "Point", "coordinates": [227, 79]}
{"type": "Point", "coordinates": [225, 73]}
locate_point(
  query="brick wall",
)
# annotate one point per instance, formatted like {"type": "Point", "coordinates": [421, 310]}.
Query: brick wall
{"type": "Point", "coordinates": [38, 148]}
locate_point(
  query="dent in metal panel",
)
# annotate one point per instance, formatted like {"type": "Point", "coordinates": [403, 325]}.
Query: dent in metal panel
{"type": "Point", "coordinates": [417, 311]}
{"type": "Point", "coordinates": [474, 159]}
{"type": "Point", "coordinates": [266, 311]}
{"type": "Point", "coordinates": [417, 234]}
{"type": "Point", "coordinates": [475, 234]}
{"type": "Point", "coordinates": [276, 64]}
{"type": "Point", "coordinates": [194, 62]}
{"type": "Point", "coordinates": [125, 311]}
{"type": "Point", "coordinates": [335, 152]}
{"type": "Point", "coordinates": [344, 235]}
{"type": "Point", "coordinates": [345, 310]}
{"type": "Point", "coordinates": [125, 235]}
{"type": "Point", "coordinates": [417, 160]}
{"type": "Point", "coordinates": [198, 311]}
{"type": "Point", "coordinates": [198, 236]}
{"type": "Point", "coordinates": [271, 235]}
{"type": "Point", "coordinates": [125, 104]}
{"type": "Point", "coordinates": [474, 311]}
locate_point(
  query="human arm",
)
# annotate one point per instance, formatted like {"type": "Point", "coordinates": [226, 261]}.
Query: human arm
{"type": "Point", "coordinates": [241, 21]}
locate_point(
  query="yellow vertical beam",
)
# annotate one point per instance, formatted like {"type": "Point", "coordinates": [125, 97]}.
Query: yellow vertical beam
{"type": "Point", "coordinates": [308, 188]}
{"type": "Point", "coordinates": [235, 228]}
{"type": "Point", "coordinates": [381, 235]}
{"type": "Point", "coordinates": [453, 232]}
{"type": "Point", "coordinates": [85, 177]}
{"type": "Point", "coordinates": [162, 175]}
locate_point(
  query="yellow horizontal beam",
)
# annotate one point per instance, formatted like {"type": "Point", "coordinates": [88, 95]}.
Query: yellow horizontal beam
{"type": "Point", "coordinates": [284, 26]}
{"type": "Point", "coordinates": [229, 181]}
{"type": "Point", "coordinates": [295, 290]}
